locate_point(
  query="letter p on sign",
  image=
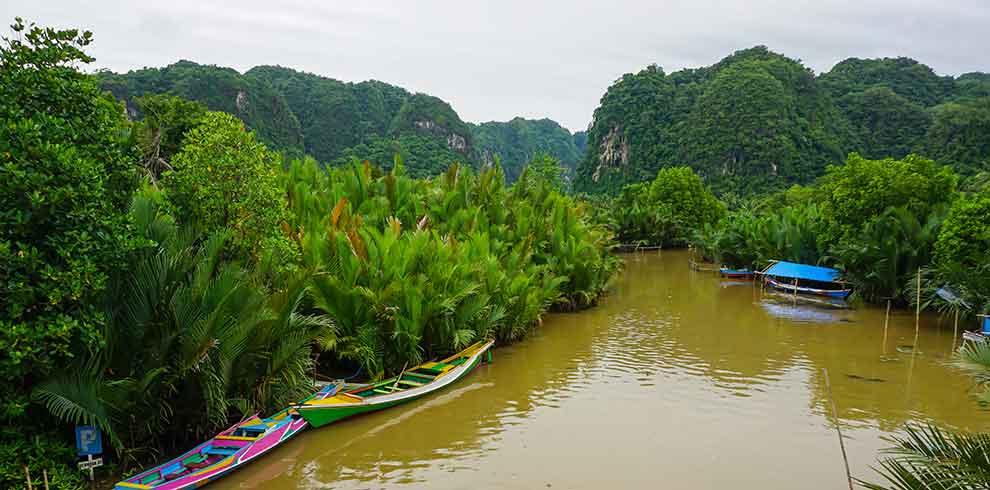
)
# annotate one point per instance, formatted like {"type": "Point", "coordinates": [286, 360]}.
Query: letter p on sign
{"type": "Point", "coordinates": [88, 440]}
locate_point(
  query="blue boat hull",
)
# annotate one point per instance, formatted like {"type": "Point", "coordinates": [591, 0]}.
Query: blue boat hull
{"type": "Point", "coordinates": [790, 288]}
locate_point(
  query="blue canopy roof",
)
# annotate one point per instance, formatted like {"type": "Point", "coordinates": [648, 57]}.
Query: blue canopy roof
{"type": "Point", "coordinates": [801, 271]}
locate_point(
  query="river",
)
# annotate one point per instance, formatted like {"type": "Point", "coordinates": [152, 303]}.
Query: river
{"type": "Point", "coordinates": [676, 380]}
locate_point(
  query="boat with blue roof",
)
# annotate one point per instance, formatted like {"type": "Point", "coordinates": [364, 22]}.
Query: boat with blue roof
{"type": "Point", "coordinates": [813, 280]}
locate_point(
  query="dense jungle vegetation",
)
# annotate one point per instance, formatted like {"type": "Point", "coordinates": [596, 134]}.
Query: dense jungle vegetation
{"type": "Point", "coordinates": [300, 114]}
{"type": "Point", "coordinates": [190, 245]}
{"type": "Point", "coordinates": [758, 122]}
{"type": "Point", "coordinates": [163, 276]}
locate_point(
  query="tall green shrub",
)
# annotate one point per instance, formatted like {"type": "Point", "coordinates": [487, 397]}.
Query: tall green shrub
{"type": "Point", "coordinates": [66, 174]}
{"type": "Point", "coordinates": [223, 178]}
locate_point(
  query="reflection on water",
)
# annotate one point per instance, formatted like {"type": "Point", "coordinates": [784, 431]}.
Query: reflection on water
{"type": "Point", "coordinates": [675, 381]}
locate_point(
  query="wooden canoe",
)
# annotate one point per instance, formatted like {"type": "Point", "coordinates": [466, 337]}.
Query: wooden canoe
{"type": "Point", "coordinates": [426, 378]}
{"type": "Point", "coordinates": [231, 449]}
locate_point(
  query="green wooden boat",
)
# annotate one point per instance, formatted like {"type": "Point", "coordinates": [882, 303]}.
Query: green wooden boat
{"type": "Point", "coordinates": [407, 386]}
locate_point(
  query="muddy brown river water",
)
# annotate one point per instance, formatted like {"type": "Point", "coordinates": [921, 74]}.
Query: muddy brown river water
{"type": "Point", "coordinates": [677, 380]}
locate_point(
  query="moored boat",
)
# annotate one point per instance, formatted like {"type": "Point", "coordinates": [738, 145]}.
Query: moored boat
{"type": "Point", "coordinates": [735, 273]}
{"type": "Point", "coordinates": [320, 410]}
{"type": "Point", "coordinates": [228, 451]}
{"type": "Point", "coordinates": [805, 279]}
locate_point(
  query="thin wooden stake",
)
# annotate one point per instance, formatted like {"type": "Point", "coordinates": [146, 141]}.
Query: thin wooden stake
{"type": "Point", "coordinates": [955, 328]}
{"type": "Point", "coordinates": [27, 475]}
{"type": "Point", "coordinates": [795, 290]}
{"type": "Point", "coordinates": [886, 321]}
{"type": "Point", "coordinates": [44, 474]}
{"type": "Point", "coordinates": [917, 315]}
{"type": "Point", "coordinates": [835, 416]}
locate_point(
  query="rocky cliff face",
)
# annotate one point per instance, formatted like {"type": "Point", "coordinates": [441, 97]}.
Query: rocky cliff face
{"type": "Point", "coordinates": [613, 151]}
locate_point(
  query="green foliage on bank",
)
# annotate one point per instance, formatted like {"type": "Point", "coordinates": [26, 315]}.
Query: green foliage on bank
{"type": "Point", "coordinates": [878, 221]}
{"type": "Point", "coordinates": [420, 267]}
{"type": "Point", "coordinates": [666, 211]}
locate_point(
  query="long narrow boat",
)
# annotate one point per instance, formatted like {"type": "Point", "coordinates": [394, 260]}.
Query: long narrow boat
{"type": "Point", "coordinates": [805, 279]}
{"type": "Point", "coordinates": [229, 450]}
{"type": "Point", "coordinates": [407, 386]}
{"type": "Point", "coordinates": [791, 288]}
{"type": "Point", "coordinates": [735, 273]}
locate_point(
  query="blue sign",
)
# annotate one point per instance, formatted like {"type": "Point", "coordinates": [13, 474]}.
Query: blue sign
{"type": "Point", "coordinates": [88, 440]}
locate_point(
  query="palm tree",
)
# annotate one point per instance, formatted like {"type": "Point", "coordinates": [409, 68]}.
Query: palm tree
{"type": "Point", "coordinates": [190, 338]}
{"type": "Point", "coordinates": [933, 458]}
{"type": "Point", "coordinates": [929, 458]}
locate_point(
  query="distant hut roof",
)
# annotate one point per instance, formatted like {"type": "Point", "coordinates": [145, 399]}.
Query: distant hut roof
{"type": "Point", "coordinates": [802, 271]}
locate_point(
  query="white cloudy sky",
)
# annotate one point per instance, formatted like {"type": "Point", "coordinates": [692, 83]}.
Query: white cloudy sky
{"type": "Point", "coordinates": [499, 59]}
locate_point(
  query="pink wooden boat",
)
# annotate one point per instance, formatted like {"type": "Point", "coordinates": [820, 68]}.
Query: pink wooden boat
{"type": "Point", "coordinates": [229, 450]}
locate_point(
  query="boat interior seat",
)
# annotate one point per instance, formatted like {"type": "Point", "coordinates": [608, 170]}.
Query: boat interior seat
{"type": "Point", "coordinates": [436, 368]}
{"type": "Point", "coordinates": [194, 459]}
{"type": "Point", "coordinates": [151, 479]}
{"type": "Point", "coordinates": [221, 450]}
{"type": "Point", "coordinates": [408, 382]}
{"type": "Point", "coordinates": [173, 470]}
{"type": "Point", "coordinates": [251, 430]}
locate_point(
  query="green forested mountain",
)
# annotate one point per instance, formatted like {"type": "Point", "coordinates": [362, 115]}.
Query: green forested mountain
{"type": "Point", "coordinates": [515, 142]}
{"type": "Point", "coordinates": [758, 121]}
{"type": "Point", "coordinates": [334, 121]}
{"type": "Point", "coordinates": [333, 115]}
{"type": "Point", "coordinates": [254, 101]}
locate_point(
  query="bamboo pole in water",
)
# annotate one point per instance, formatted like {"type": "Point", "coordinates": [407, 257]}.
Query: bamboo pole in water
{"type": "Point", "coordinates": [795, 290]}
{"type": "Point", "coordinates": [917, 314]}
{"type": "Point", "coordinates": [886, 321]}
{"type": "Point", "coordinates": [955, 328]}
{"type": "Point", "coordinates": [838, 430]}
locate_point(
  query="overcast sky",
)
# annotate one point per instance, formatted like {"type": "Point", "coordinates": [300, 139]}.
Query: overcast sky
{"type": "Point", "coordinates": [505, 58]}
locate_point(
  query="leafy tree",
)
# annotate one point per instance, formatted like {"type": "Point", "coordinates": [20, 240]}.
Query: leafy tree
{"type": "Point", "coordinates": [965, 236]}
{"type": "Point", "coordinates": [546, 169]}
{"type": "Point", "coordinates": [856, 193]}
{"type": "Point", "coordinates": [225, 179]}
{"type": "Point", "coordinates": [166, 121]}
{"type": "Point", "coordinates": [66, 172]}
{"type": "Point", "coordinates": [666, 211]}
